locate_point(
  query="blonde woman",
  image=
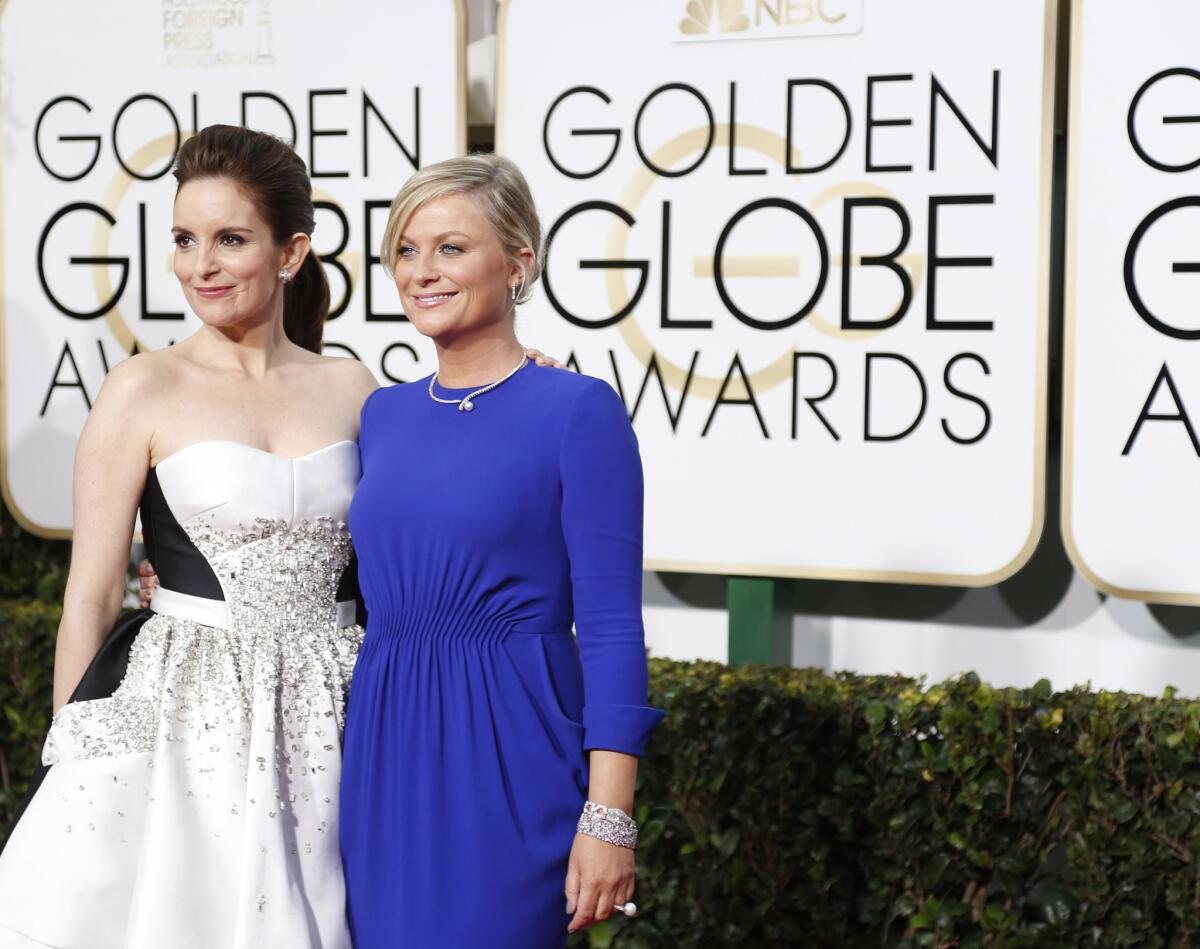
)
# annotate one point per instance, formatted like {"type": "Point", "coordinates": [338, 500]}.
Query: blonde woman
{"type": "Point", "coordinates": [490, 755]}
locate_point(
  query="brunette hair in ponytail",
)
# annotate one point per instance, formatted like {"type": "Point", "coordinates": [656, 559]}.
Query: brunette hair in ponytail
{"type": "Point", "coordinates": [273, 176]}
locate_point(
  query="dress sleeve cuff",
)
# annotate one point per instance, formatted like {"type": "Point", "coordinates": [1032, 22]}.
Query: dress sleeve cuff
{"type": "Point", "coordinates": [624, 728]}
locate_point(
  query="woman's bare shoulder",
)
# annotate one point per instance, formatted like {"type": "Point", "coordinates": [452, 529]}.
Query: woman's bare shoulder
{"type": "Point", "coordinates": [140, 376]}
{"type": "Point", "coordinates": [123, 419]}
{"type": "Point", "coordinates": [349, 374]}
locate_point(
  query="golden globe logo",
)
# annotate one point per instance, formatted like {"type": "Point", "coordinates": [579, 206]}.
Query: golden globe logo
{"type": "Point", "coordinates": [763, 19]}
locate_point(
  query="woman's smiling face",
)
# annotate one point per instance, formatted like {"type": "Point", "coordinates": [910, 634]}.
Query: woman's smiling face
{"type": "Point", "coordinates": [454, 275]}
{"type": "Point", "coordinates": [226, 258]}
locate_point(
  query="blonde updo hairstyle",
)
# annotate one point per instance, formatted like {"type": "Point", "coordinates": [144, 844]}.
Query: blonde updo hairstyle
{"type": "Point", "coordinates": [499, 190]}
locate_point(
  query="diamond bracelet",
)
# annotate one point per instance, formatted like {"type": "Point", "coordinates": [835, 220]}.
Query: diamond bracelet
{"type": "Point", "coordinates": [610, 824]}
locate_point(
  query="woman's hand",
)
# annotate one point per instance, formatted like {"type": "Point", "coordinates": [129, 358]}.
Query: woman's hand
{"type": "Point", "coordinates": [147, 583]}
{"type": "Point", "coordinates": [542, 359]}
{"type": "Point", "coordinates": [599, 876]}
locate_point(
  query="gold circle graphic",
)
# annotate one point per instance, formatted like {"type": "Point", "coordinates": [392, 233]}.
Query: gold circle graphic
{"type": "Point", "coordinates": [772, 146]}
{"type": "Point", "coordinates": [153, 150]}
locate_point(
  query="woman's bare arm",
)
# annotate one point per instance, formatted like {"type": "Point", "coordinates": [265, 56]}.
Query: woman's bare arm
{"type": "Point", "coordinates": [111, 463]}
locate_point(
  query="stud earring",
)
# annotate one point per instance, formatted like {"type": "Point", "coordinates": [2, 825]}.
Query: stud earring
{"type": "Point", "coordinates": [285, 277]}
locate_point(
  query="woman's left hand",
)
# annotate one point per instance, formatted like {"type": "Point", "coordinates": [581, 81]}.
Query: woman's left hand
{"type": "Point", "coordinates": [542, 359]}
{"type": "Point", "coordinates": [599, 877]}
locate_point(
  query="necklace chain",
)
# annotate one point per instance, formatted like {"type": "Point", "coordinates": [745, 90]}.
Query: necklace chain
{"type": "Point", "coordinates": [467, 402]}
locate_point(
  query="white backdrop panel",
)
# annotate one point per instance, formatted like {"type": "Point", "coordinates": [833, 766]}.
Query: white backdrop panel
{"type": "Point", "coordinates": [96, 98]}
{"type": "Point", "coordinates": [1131, 509]}
{"type": "Point", "coordinates": [900, 436]}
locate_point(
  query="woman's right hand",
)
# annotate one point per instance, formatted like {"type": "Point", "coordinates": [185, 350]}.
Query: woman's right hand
{"type": "Point", "coordinates": [147, 583]}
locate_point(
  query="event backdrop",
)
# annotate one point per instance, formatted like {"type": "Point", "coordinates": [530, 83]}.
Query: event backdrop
{"type": "Point", "coordinates": [808, 244]}
{"type": "Point", "coordinates": [97, 99]}
{"type": "Point", "coordinates": [1131, 512]}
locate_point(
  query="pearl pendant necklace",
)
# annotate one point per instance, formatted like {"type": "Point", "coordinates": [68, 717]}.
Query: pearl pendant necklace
{"type": "Point", "coordinates": [467, 402]}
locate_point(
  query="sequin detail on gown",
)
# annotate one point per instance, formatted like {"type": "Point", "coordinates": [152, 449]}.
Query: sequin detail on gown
{"type": "Point", "coordinates": [197, 806]}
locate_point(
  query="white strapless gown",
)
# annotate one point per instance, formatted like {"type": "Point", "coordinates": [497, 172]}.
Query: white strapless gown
{"type": "Point", "coordinates": [197, 808]}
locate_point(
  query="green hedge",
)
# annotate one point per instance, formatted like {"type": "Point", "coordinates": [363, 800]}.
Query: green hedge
{"type": "Point", "coordinates": [30, 567]}
{"type": "Point", "coordinates": [31, 570]}
{"type": "Point", "coordinates": [26, 680]}
{"type": "Point", "coordinates": [786, 807]}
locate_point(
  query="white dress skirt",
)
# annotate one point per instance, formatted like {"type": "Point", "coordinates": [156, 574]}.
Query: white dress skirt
{"type": "Point", "coordinates": [197, 806]}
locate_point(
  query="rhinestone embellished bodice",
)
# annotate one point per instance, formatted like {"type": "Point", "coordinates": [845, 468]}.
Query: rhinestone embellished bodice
{"type": "Point", "coordinates": [276, 575]}
{"type": "Point", "coordinates": [272, 535]}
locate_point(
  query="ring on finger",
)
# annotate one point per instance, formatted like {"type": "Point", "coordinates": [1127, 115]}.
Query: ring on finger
{"type": "Point", "coordinates": [629, 908]}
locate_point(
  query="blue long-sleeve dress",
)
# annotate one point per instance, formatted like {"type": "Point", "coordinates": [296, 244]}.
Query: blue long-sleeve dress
{"type": "Point", "coordinates": [482, 536]}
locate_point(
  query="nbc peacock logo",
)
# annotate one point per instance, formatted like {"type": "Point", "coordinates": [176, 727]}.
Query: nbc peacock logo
{"type": "Point", "coordinates": [715, 16]}
{"type": "Point", "coordinates": [735, 20]}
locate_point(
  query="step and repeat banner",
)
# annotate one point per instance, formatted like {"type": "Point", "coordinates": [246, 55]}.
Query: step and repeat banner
{"type": "Point", "coordinates": [807, 242]}
{"type": "Point", "coordinates": [1131, 508]}
{"type": "Point", "coordinates": [95, 107]}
